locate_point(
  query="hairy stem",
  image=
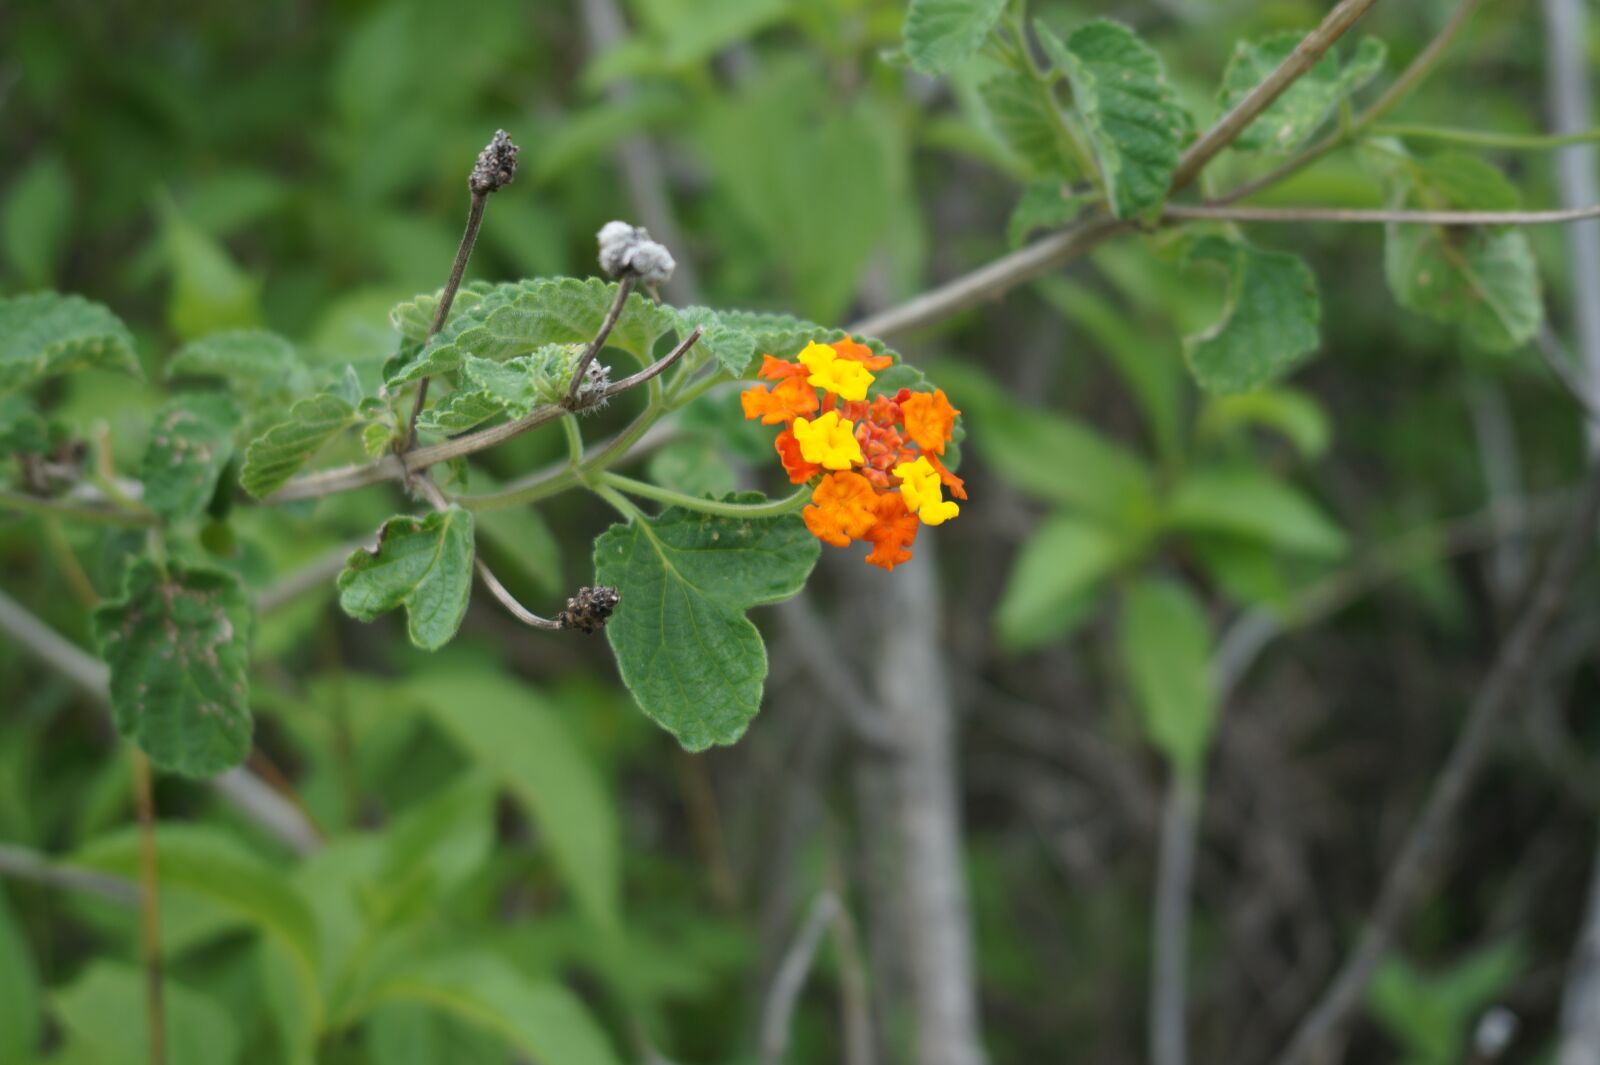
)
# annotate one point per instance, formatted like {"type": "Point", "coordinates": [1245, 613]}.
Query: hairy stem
{"type": "Point", "coordinates": [457, 270]}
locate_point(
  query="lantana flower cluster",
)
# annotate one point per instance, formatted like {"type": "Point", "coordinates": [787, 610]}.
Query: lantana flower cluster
{"type": "Point", "coordinates": [876, 464]}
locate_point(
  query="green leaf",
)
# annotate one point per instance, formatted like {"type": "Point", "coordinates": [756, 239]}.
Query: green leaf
{"type": "Point", "coordinates": [1248, 502]}
{"type": "Point", "coordinates": [403, 1035]}
{"type": "Point", "coordinates": [44, 334]}
{"type": "Point", "coordinates": [1024, 118]}
{"type": "Point", "coordinates": [524, 539]}
{"type": "Point", "coordinates": [1304, 105]}
{"type": "Point", "coordinates": [37, 219]}
{"type": "Point", "coordinates": [190, 445]}
{"type": "Point", "coordinates": [735, 338]}
{"type": "Point", "coordinates": [209, 291]}
{"type": "Point", "coordinates": [423, 564]}
{"type": "Point", "coordinates": [940, 35]}
{"type": "Point", "coordinates": [474, 300]}
{"type": "Point", "coordinates": [684, 647]}
{"type": "Point", "coordinates": [19, 991]}
{"type": "Point", "coordinates": [1060, 565]}
{"type": "Point", "coordinates": [1044, 205]}
{"type": "Point", "coordinates": [519, 385]}
{"type": "Point", "coordinates": [1134, 123]}
{"type": "Point", "coordinates": [1296, 415]}
{"type": "Point", "coordinates": [542, 1020]}
{"type": "Point", "coordinates": [178, 645]}
{"type": "Point", "coordinates": [508, 729]}
{"type": "Point", "coordinates": [22, 427]}
{"type": "Point", "coordinates": [693, 466]}
{"type": "Point", "coordinates": [104, 1013]}
{"type": "Point", "coordinates": [260, 363]}
{"type": "Point", "coordinates": [278, 454]}
{"type": "Point", "coordinates": [1164, 642]}
{"type": "Point", "coordinates": [464, 409]}
{"type": "Point", "coordinates": [1270, 316]}
{"type": "Point", "coordinates": [1484, 280]}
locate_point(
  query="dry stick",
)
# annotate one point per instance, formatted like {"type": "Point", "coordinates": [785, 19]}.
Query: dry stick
{"type": "Point", "coordinates": [790, 980]}
{"type": "Point", "coordinates": [259, 803]}
{"type": "Point", "coordinates": [1356, 215]}
{"type": "Point", "coordinates": [149, 906]}
{"type": "Point", "coordinates": [624, 286]}
{"type": "Point", "coordinates": [446, 299]}
{"type": "Point", "coordinates": [1410, 872]}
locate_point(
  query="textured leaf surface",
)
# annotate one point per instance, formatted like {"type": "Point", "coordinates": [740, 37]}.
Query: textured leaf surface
{"type": "Point", "coordinates": [1484, 280]}
{"type": "Point", "coordinates": [190, 446]}
{"type": "Point", "coordinates": [1022, 116]}
{"type": "Point", "coordinates": [511, 731]}
{"type": "Point", "coordinates": [1134, 124]}
{"type": "Point", "coordinates": [684, 647]}
{"type": "Point", "coordinates": [1165, 644]}
{"type": "Point", "coordinates": [1307, 103]}
{"type": "Point", "coordinates": [1044, 205]}
{"type": "Point", "coordinates": [178, 644]}
{"type": "Point", "coordinates": [1270, 316]}
{"type": "Point", "coordinates": [736, 339]}
{"type": "Point", "coordinates": [942, 34]}
{"type": "Point", "coordinates": [278, 454]}
{"type": "Point", "coordinates": [260, 363]}
{"type": "Point", "coordinates": [1065, 558]}
{"type": "Point", "coordinates": [1247, 502]}
{"type": "Point", "coordinates": [520, 384]}
{"type": "Point", "coordinates": [461, 410]}
{"type": "Point", "coordinates": [45, 334]}
{"type": "Point", "coordinates": [538, 1018]}
{"type": "Point", "coordinates": [422, 564]}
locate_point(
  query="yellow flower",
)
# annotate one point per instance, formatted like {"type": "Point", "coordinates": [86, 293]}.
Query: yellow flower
{"type": "Point", "coordinates": [845, 378]}
{"type": "Point", "coordinates": [919, 486]}
{"type": "Point", "coordinates": [830, 442]}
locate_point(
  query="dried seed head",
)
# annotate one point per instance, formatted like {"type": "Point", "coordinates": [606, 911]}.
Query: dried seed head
{"type": "Point", "coordinates": [496, 166]}
{"type": "Point", "coordinates": [590, 609]}
{"type": "Point", "coordinates": [627, 249]}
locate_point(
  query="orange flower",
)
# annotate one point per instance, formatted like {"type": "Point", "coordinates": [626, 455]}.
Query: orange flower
{"type": "Point", "coordinates": [794, 463]}
{"type": "Point", "coordinates": [891, 537]}
{"type": "Point", "coordinates": [957, 486]}
{"type": "Point", "coordinates": [842, 508]}
{"type": "Point", "coordinates": [789, 399]}
{"type": "Point", "coordinates": [929, 420]}
{"type": "Point", "coordinates": [779, 369]}
{"type": "Point", "coordinates": [849, 349]}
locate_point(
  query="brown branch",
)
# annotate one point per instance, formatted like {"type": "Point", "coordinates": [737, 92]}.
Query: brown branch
{"type": "Point", "coordinates": [1411, 871]}
{"type": "Point", "coordinates": [624, 287]}
{"type": "Point", "coordinates": [1359, 215]}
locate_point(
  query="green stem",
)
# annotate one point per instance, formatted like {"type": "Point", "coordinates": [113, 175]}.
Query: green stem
{"type": "Point", "coordinates": [624, 506]}
{"type": "Point", "coordinates": [27, 504]}
{"type": "Point", "coordinates": [569, 426]}
{"type": "Point", "coordinates": [772, 508]}
{"type": "Point", "coordinates": [1487, 138]}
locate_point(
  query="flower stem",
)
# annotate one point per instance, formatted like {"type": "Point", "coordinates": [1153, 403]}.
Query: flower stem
{"type": "Point", "coordinates": [643, 489]}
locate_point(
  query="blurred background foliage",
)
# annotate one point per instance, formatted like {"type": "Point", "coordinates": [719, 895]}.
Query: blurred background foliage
{"type": "Point", "coordinates": [299, 166]}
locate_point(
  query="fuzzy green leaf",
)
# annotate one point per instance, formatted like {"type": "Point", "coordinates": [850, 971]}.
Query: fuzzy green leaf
{"type": "Point", "coordinates": [36, 219]}
{"type": "Point", "coordinates": [1249, 503]}
{"type": "Point", "coordinates": [684, 647]}
{"type": "Point", "coordinates": [1044, 205]}
{"type": "Point", "coordinates": [940, 35]}
{"type": "Point", "coordinates": [178, 646]}
{"type": "Point", "coordinates": [260, 363]}
{"type": "Point", "coordinates": [19, 990]}
{"type": "Point", "coordinates": [1269, 320]}
{"type": "Point", "coordinates": [45, 334]}
{"type": "Point", "coordinates": [277, 454]}
{"type": "Point", "coordinates": [422, 564]}
{"type": "Point", "coordinates": [1304, 105]}
{"type": "Point", "coordinates": [459, 411]}
{"type": "Point", "coordinates": [519, 385]}
{"type": "Point", "coordinates": [1134, 123]}
{"type": "Point", "coordinates": [1165, 647]}
{"type": "Point", "coordinates": [735, 339]}
{"type": "Point", "coordinates": [190, 446]}
{"type": "Point", "coordinates": [104, 1014]}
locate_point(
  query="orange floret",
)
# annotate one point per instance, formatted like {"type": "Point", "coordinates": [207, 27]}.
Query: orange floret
{"type": "Point", "coordinates": [779, 369]}
{"type": "Point", "coordinates": [781, 404]}
{"type": "Point", "coordinates": [893, 533]}
{"type": "Point", "coordinates": [842, 508]}
{"type": "Point", "coordinates": [929, 420]}
{"type": "Point", "coordinates": [794, 463]}
{"type": "Point", "coordinates": [957, 486]}
{"type": "Point", "coordinates": [849, 349]}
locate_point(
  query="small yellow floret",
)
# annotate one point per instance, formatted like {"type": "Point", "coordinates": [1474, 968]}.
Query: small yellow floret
{"type": "Point", "coordinates": [919, 486]}
{"type": "Point", "coordinates": [830, 442]}
{"type": "Point", "coordinates": [845, 378]}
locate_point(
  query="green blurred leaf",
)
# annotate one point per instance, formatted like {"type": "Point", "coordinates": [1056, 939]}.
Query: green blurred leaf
{"type": "Point", "coordinates": [104, 1013]}
{"type": "Point", "coordinates": [1432, 1014]}
{"type": "Point", "coordinates": [209, 291]}
{"type": "Point", "coordinates": [1269, 321]}
{"type": "Point", "coordinates": [524, 538]}
{"type": "Point", "coordinates": [464, 409]}
{"type": "Point", "coordinates": [190, 445]}
{"type": "Point", "coordinates": [423, 564]}
{"type": "Point", "coordinates": [540, 1019]}
{"type": "Point", "coordinates": [45, 334]}
{"type": "Point", "coordinates": [260, 364]}
{"type": "Point", "coordinates": [684, 647]}
{"type": "Point", "coordinates": [1024, 118]}
{"type": "Point", "coordinates": [1306, 103]}
{"type": "Point", "coordinates": [1061, 564]}
{"type": "Point", "coordinates": [940, 35]}
{"type": "Point", "coordinates": [1164, 642]}
{"type": "Point", "coordinates": [681, 34]}
{"type": "Point", "coordinates": [510, 731]}
{"type": "Point", "coordinates": [404, 1035]}
{"type": "Point", "coordinates": [277, 455]}
{"type": "Point", "coordinates": [1248, 502]}
{"type": "Point", "coordinates": [1044, 205]}
{"type": "Point", "coordinates": [1134, 123]}
{"type": "Point", "coordinates": [693, 466]}
{"type": "Point", "coordinates": [177, 642]}
{"type": "Point", "coordinates": [735, 338]}
{"type": "Point", "coordinates": [1296, 415]}
{"type": "Point", "coordinates": [36, 220]}
{"type": "Point", "coordinates": [19, 991]}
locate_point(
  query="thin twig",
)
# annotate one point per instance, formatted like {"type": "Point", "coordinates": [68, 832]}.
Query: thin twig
{"type": "Point", "coordinates": [446, 299]}
{"type": "Point", "coordinates": [778, 1010]}
{"type": "Point", "coordinates": [1359, 215]}
{"type": "Point", "coordinates": [509, 601]}
{"type": "Point", "coordinates": [150, 907]}
{"type": "Point", "coordinates": [20, 863]}
{"type": "Point", "coordinates": [581, 371]}
{"type": "Point", "coordinates": [655, 369]}
{"type": "Point", "coordinates": [1409, 874]}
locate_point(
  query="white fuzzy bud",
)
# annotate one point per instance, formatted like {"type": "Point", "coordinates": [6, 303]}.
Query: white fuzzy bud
{"type": "Point", "coordinates": [626, 249]}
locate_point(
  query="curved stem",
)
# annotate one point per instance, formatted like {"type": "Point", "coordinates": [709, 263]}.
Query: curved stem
{"type": "Point", "coordinates": [770, 509]}
{"type": "Point", "coordinates": [1533, 142]}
